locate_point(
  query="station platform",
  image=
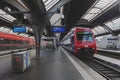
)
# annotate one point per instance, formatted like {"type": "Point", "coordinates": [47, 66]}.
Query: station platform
{"type": "Point", "coordinates": [53, 65]}
{"type": "Point", "coordinates": [109, 59]}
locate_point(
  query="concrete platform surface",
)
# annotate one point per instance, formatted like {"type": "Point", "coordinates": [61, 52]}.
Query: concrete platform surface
{"type": "Point", "coordinates": [54, 65]}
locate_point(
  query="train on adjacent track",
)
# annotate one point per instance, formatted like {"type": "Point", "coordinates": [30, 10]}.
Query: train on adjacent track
{"type": "Point", "coordinates": [81, 42]}
{"type": "Point", "coordinates": [11, 42]}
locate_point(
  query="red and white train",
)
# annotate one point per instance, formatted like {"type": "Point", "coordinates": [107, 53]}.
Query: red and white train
{"type": "Point", "coordinates": [11, 41]}
{"type": "Point", "coordinates": [81, 42]}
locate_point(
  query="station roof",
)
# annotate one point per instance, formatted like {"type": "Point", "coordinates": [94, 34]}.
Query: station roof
{"type": "Point", "coordinates": [69, 14]}
{"type": "Point", "coordinates": [97, 8]}
{"type": "Point", "coordinates": [96, 12]}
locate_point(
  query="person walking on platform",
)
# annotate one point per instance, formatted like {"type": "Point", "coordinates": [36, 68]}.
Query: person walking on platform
{"type": "Point", "coordinates": [57, 45]}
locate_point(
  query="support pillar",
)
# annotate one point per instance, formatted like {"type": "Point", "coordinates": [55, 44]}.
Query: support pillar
{"type": "Point", "coordinates": [40, 21]}
{"type": "Point", "coordinates": [37, 40]}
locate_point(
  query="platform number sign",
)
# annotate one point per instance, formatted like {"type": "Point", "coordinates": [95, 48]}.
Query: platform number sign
{"type": "Point", "coordinates": [58, 29]}
{"type": "Point", "coordinates": [20, 29]}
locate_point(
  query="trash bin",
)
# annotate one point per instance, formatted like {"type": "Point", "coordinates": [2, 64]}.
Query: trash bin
{"type": "Point", "coordinates": [20, 61]}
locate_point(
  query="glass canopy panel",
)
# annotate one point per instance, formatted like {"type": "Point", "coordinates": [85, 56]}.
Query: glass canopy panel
{"type": "Point", "coordinates": [100, 30]}
{"type": "Point", "coordinates": [50, 3]}
{"type": "Point", "coordinates": [114, 25]}
{"type": "Point", "coordinates": [6, 16]}
{"type": "Point", "coordinates": [11, 32]}
{"type": "Point", "coordinates": [32, 37]}
{"type": "Point", "coordinates": [22, 34]}
{"type": "Point", "coordinates": [25, 35]}
{"type": "Point", "coordinates": [116, 21]}
{"type": "Point", "coordinates": [98, 7]}
{"type": "Point", "coordinates": [95, 33]}
{"type": "Point", "coordinates": [88, 16]}
{"type": "Point", "coordinates": [45, 0]}
{"type": "Point", "coordinates": [7, 30]}
{"type": "Point", "coordinates": [1, 28]}
{"type": "Point", "coordinates": [95, 29]}
{"type": "Point", "coordinates": [94, 10]}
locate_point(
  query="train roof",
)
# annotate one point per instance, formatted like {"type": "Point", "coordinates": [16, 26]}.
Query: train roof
{"type": "Point", "coordinates": [12, 36]}
{"type": "Point", "coordinates": [79, 28]}
{"type": "Point", "coordinates": [73, 29]}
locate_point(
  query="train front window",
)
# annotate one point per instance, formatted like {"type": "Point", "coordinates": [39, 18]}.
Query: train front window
{"type": "Point", "coordinates": [85, 36]}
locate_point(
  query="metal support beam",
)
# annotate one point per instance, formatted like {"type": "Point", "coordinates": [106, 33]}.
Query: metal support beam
{"type": "Point", "coordinates": [37, 40]}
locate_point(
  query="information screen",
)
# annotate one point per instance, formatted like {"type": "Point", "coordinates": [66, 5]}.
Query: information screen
{"type": "Point", "coordinates": [59, 29]}
{"type": "Point", "coordinates": [20, 29]}
{"type": "Point", "coordinates": [84, 33]}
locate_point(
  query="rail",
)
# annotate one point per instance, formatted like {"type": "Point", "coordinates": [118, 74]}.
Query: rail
{"type": "Point", "coordinates": [109, 71]}
{"type": "Point", "coordinates": [109, 53]}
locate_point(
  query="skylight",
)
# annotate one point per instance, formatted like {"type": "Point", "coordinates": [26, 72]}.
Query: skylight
{"type": "Point", "coordinates": [95, 33]}
{"type": "Point", "coordinates": [114, 24]}
{"type": "Point", "coordinates": [99, 30]}
{"type": "Point", "coordinates": [23, 34]}
{"type": "Point", "coordinates": [50, 3]}
{"type": "Point", "coordinates": [6, 16]}
{"type": "Point", "coordinates": [7, 30]}
{"type": "Point", "coordinates": [97, 8]}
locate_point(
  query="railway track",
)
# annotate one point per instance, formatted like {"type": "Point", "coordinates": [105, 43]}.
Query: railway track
{"type": "Point", "coordinates": [106, 70]}
{"type": "Point", "coordinates": [109, 54]}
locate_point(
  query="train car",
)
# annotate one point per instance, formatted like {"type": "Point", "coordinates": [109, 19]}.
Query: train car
{"type": "Point", "coordinates": [11, 42]}
{"type": "Point", "coordinates": [81, 42]}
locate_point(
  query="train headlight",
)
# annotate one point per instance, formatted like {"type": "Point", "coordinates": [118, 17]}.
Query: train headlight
{"type": "Point", "coordinates": [78, 48]}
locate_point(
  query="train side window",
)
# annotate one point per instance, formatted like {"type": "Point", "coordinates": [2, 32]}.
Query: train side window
{"type": "Point", "coordinates": [1, 40]}
{"type": "Point", "coordinates": [11, 42]}
{"type": "Point", "coordinates": [5, 41]}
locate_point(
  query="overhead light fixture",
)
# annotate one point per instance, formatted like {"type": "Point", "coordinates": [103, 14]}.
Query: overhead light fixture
{"type": "Point", "coordinates": [25, 17]}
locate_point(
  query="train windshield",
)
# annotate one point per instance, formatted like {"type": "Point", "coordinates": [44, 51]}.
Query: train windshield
{"type": "Point", "coordinates": [85, 36]}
